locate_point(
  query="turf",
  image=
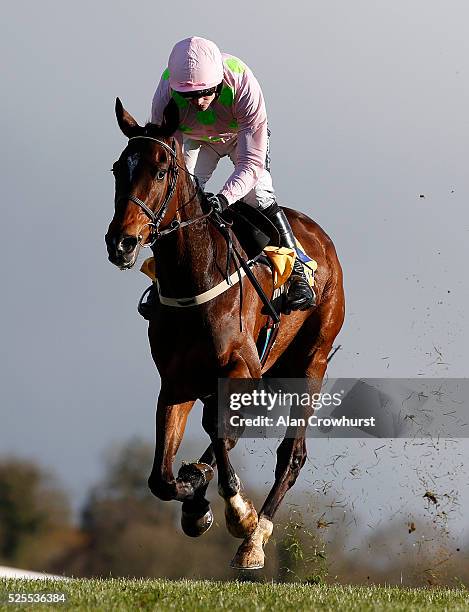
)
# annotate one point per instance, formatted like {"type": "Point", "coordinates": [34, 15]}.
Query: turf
{"type": "Point", "coordinates": [124, 594]}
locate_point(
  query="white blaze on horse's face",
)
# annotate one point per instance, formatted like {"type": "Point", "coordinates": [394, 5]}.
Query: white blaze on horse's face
{"type": "Point", "coordinates": [132, 162]}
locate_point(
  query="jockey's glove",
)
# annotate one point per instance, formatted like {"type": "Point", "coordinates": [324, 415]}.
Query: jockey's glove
{"type": "Point", "coordinates": [218, 202]}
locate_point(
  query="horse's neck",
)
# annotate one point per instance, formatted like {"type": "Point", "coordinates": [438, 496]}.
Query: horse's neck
{"type": "Point", "coordinates": [186, 258]}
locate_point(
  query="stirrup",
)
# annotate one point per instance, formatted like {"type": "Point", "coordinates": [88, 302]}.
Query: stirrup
{"type": "Point", "coordinates": [305, 297]}
{"type": "Point", "coordinates": [147, 308]}
{"type": "Point", "coordinates": [301, 301]}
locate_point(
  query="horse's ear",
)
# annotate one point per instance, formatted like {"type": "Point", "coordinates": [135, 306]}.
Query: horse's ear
{"type": "Point", "coordinates": [170, 121]}
{"type": "Point", "coordinates": [126, 122]}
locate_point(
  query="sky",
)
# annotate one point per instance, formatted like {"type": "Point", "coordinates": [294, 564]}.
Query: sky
{"type": "Point", "coordinates": [367, 104]}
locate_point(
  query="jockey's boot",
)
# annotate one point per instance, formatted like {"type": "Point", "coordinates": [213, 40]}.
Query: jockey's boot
{"type": "Point", "coordinates": [147, 308]}
{"type": "Point", "coordinates": [300, 295]}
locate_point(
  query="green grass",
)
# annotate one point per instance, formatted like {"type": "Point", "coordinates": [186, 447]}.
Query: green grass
{"type": "Point", "coordinates": [123, 594]}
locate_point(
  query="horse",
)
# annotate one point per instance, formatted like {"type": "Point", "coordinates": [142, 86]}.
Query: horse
{"type": "Point", "coordinates": [157, 201]}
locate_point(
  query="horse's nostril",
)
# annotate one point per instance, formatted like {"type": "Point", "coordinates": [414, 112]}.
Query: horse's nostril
{"type": "Point", "coordinates": [128, 244]}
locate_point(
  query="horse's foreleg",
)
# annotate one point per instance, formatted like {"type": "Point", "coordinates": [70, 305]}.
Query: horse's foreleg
{"type": "Point", "coordinates": [196, 517]}
{"type": "Point", "coordinates": [240, 514]}
{"type": "Point", "coordinates": [192, 481]}
{"type": "Point", "coordinates": [170, 424]}
{"type": "Point", "coordinates": [209, 456]}
{"type": "Point", "coordinates": [196, 511]}
{"type": "Point", "coordinates": [291, 456]}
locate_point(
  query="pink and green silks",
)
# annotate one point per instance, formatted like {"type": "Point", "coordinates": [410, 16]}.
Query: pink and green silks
{"type": "Point", "coordinates": [238, 113]}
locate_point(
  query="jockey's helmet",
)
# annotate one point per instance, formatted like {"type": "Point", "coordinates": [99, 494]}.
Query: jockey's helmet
{"type": "Point", "coordinates": [195, 65]}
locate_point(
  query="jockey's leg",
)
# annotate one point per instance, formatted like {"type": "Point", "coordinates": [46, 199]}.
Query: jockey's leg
{"type": "Point", "coordinates": [263, 194]}
{"type": "Point", "coordinates": [201, 158]}
{"type": "Point", "coordinates": [300, 295]}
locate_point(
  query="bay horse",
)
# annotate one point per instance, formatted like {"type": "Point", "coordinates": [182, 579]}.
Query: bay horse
{"type": "Point", "coordinates": [156, 200]}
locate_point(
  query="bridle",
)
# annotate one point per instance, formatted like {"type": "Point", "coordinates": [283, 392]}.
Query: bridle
{"type": "Point", "coordinates": [156, 218]}
{"type": "Point", "coordinates": [220, 223]}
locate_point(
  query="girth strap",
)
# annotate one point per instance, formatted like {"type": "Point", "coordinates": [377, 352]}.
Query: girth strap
{"type": "Point", "coordinates": [206, 296]}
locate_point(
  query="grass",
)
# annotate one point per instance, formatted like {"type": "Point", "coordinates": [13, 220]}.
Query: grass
{"type": "Point", "coordinates": [192, 595]}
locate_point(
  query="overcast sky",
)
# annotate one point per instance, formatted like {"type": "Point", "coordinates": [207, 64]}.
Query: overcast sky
{"type": "Point", "coordinates": [368, 108]}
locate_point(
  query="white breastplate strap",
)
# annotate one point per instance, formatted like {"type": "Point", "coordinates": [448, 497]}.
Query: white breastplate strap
{"type": "Point", "coordinates": [201, 298]}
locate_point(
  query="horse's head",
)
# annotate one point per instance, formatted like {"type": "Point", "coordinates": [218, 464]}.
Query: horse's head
{"type": "Point", "coordinates": [145, 176]}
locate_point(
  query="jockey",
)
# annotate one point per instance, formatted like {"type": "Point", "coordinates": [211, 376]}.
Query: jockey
{"type": "Point", "coordinates": [222, 113]}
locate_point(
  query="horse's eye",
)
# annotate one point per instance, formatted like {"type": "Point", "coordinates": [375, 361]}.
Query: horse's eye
{"type": "Point", "coordinates": [160, 175]}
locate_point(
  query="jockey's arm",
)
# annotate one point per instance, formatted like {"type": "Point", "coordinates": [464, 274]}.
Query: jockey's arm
{"type": "Point", "coordinates": [161, 98]}
{"type": "Point", "coordinates": [250, 112]}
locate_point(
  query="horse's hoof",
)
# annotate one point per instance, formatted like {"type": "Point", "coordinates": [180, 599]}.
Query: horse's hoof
{"type": "Point", "coordinates": [250, 554]}
{"type": "Point", "coordinates": [194, 523]}
{"type": "Point", "coordinates": [241, 516]}
{"type": "Point", "coordinates": [206, 469]}
{"type": "Point", "coordinates": [248, 557]}
{"type": "Point", "coordinates": [197, 474]}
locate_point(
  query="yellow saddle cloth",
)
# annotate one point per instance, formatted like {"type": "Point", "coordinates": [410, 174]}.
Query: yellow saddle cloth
{"type": "Point", "coordinates": [282, 259]}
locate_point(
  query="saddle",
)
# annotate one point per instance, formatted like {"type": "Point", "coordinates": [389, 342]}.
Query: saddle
{"type": "Point", "coordinates": [260, 240]}
{"type": "Point", "coordinates": [251, 227]}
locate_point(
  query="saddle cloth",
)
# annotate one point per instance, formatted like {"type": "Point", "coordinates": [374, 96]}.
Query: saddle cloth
{"type": "Point", "coordinates": [281, 258]}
